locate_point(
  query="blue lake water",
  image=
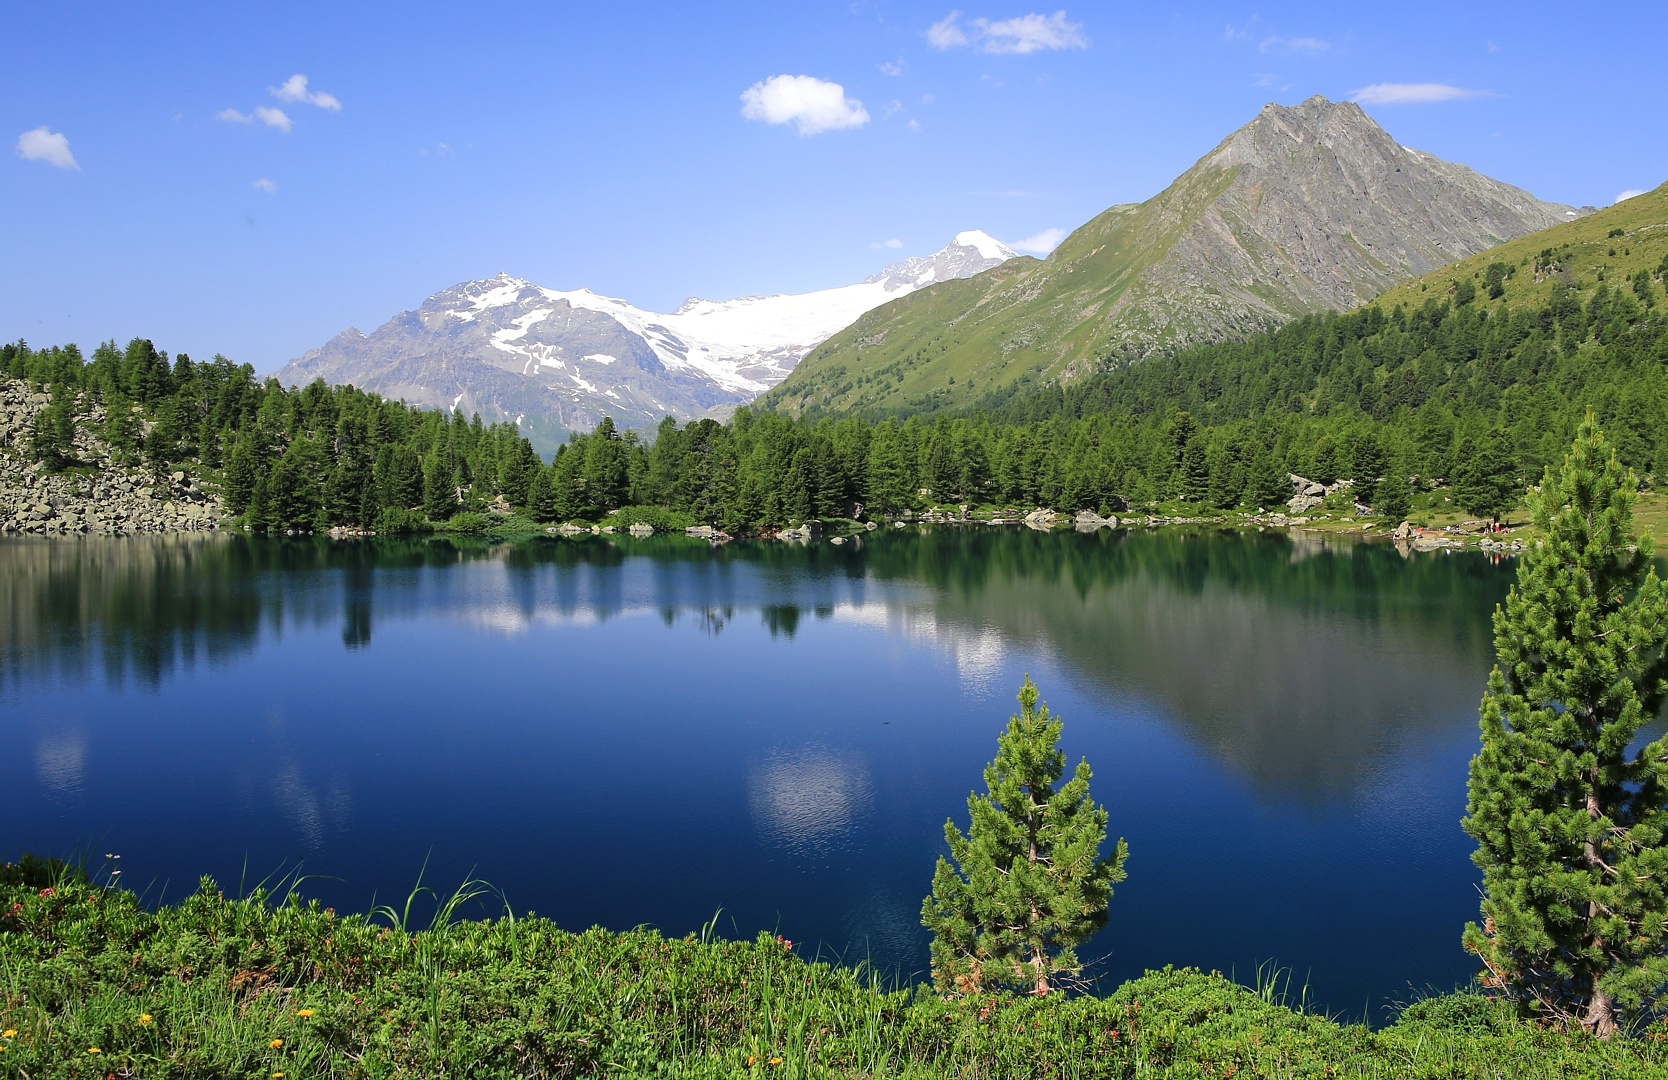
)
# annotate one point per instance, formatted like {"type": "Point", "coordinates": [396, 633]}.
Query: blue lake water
{"type": "Point", "coordinates": [623, 732]}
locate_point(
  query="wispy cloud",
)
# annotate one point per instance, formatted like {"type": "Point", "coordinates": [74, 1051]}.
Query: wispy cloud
{"type": "Point", "coordinates": [1029, 33]}
{"type": "Point", "coordinates": [295, 89]}
{"type": "Point", "coordinates": [893, 69]}
{"type": "Point", "coordinates": [1022, 34]}
{"type": "Point", "coordinates": [1388, 93]}
{"type": "Point", "coordinates": [1624, 196]}
{"type": "Point", "coordinates": [892, 243]}
{"type": "Point", "coordinates": [1308, 46]}
{"type": "Point", "coordinates": [43, 144]}
{"type": "Point", "coordinates": [268, 116]}
{"type": "Point", "coordinates": [266, 185]}
{"type": "Point", "coordinates": [915, 126]}
{"type": "Point", "coordinates": [1042, 243]}
{"type": "Point", "coordinates": [945, 34]}
{"type": "Point", "coordinates": [810, 104]}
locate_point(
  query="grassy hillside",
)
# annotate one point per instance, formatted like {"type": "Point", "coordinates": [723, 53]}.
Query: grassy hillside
{"type": "Point", "coordinates": [1306, 209]}
{"type": "Point", "coordinates": [274, 987]}
{"type": "Point", "coordinates": [1578, 254]}
{"type": "Point", "coordinates": [1026, 322]}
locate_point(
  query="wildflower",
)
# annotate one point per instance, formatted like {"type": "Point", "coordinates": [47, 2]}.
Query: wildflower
{"type": "Point", "coordinates": [9, 1033]}
{"type": "Point", "coordinates": [276, 1043]}
{"type": "Point", "coordinates": [144, 1019]}
{"type": "Point", "coordinates": [47, 892]}
{"type": "Point", "coordinates": [304, 1013]}
{"type": "Point", "coordinates": [278, 1076]}
{"type": "Point", "coordinates": [776, 1061]}
{"type": "Point", "coordinates": [94, 1050]}
{"type": "Point", "coordinates": [751, 1059]}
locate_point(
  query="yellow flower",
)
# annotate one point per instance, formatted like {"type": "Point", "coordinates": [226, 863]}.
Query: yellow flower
{"type": "Point", "coordinates": [304, 1013]}
{"type": "Point", "coordinates": [751, 1059]}
{"type": "Point", "coordinates": [276, 1043]}
{"type": "Point", "coordinates": [277, 1076]}
{"type": "Point", "coordinates": [94, 1050]}
{"type": "Point", "coordinates": [144, 1019]}
{"type": "Point", "coordinates": [776, 1061]}
{"type": "Point", "coordinates": [9, 1033]}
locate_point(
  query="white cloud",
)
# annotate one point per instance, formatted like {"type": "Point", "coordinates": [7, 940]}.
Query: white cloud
{"type": "Point", "coordinates": [1042, 243]}
{"type": "Point", "coordinates": [295, 89]}
{"type": "Point", "coordinates": [892, 243]}
{"type": "Point", "coordinates": [269, 117]}
{"type": "Point", "coordinates": [893, 69]}
{"type": "Point", "coordinates": [1029, 33]}
{"type": "Point", "coordinates": [266, 185]}
{"type": "Point", "coordinates": [1389, 93]}
{"type": "Point", "coordinates": [42, 144]}
{"type": "Point", "coordinates": [1628, 194]}
{"type": "Point", "coordinates": [272, 117]}
{"type": "Point", "coordinates": [812, 105]}
{"type": "Point", "coordinates": [1307, 45]}
{"type": "Point", "coordinates": [915, 125]}
{"type": "Point", "coordinates": [945, 34]}
{"type": "Point", "coordinates": [1023, 34]}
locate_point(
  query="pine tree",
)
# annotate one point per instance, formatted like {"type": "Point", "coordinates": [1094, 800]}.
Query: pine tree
{"type": "Point", "coordinates": [541, 496]}
{"type": "Point", "coordinates": [1485, 477]}
{"type": "Point", "coordinates": [1393, 498]}
{"type": "Point", "coordinates": [440, 500]}
{"type": "Point", "coordinates": [1028, 884]}
{"type": "Point", "coordinates": [1271, 484]}
{"type": "Point", "coordinates": [1570, 825]}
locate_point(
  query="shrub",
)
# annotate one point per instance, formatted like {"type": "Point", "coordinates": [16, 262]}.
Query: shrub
{"type": "Point", "coordinates": [466, 522]}
{"type": "Point", "coordinates": [397, 519]}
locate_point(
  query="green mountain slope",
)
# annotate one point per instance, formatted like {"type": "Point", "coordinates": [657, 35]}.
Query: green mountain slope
{"type": "Point", "coordinates": [1612, 245]}
{"type": "Point", "coordinates": [1305, 209]}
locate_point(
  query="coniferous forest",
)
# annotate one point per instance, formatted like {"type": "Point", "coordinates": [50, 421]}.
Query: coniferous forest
{"type": "Point", "coordinates": [1463, 392]}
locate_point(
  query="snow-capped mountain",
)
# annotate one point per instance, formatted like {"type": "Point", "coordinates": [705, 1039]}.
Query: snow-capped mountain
{"type": "Point", "coordinates": [555, 360]}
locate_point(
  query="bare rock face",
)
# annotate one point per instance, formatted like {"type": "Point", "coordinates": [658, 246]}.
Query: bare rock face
{"type": "Point", "coordinates": [114, 499]}
{"type": "Point", "coordinates": [1311, 208]}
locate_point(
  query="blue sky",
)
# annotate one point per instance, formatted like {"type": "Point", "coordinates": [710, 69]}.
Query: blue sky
{"type": "Point", "coordinates": [169, 177]}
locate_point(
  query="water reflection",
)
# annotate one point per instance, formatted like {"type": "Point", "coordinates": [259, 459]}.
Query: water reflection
{"type": "Point", "coordinates": [810, 802]}
{"type": "Point", "coordinates": [776, 730]}
{"type": "Point", "coordinates": [1299, 664]}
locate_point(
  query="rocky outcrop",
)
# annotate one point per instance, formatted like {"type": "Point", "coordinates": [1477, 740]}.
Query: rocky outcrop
{"type": "Point", "coordinates": [106, 498]}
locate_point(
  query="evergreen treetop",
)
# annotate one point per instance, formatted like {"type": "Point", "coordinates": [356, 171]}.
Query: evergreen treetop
{"type": "Point", "coordinates": [1028, 883]}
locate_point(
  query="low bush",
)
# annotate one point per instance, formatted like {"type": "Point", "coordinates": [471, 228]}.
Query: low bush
{"type": "Point", "coordinates": [397, 520]}
{"type": "Point", "coordinates": [91, 984]}
{"type": "Point", "coordinates": [466, 522]}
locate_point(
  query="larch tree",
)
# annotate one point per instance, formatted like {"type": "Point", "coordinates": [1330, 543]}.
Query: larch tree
{"type": "Point", "coordinates": [1485, 477]}
{"type": "Point", "coordinates": [1028, 884]}
{"type": "Point", "coordinates": [1568, 814]}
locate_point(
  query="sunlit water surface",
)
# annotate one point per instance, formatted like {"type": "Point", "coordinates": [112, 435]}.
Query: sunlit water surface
{"type": "Point", "coordinates": [627, 732]}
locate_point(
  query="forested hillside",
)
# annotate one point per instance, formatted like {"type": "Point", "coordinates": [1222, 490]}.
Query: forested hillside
{"type": "Point", "coordinates": [285, 459]}
{"type": "Point", "coordinates": [1467, 389]}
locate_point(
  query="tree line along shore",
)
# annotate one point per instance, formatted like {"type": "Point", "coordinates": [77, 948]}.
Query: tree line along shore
{"type": "Point", "coordinates": [1459, 403]}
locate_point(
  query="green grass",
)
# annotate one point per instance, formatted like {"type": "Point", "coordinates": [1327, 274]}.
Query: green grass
{"type": "Point", "coordinates": [1582, 249]}
{"type": "Point", "coordinates": [217, 986]}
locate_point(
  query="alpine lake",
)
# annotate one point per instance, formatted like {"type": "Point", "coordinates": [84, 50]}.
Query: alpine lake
{"type": "Point", "coordinates": [767, 735]}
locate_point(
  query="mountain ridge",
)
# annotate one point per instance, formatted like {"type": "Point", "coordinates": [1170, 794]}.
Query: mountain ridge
{"type": "Point", "coordinates": [1305, 208]}
{"type": "Point", "coordinates": [554, 361]}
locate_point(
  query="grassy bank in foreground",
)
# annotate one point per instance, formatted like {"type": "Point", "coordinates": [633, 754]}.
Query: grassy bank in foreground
{"type": "Point", "coordinates": [91, 985]}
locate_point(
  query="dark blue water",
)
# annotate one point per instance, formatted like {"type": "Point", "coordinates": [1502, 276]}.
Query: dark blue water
{"type": "Point", "coordinates": [623, 732]}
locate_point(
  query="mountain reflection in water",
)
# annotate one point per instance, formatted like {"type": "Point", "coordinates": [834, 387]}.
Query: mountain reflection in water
{"type": "Point", "coordinates": [626, 731]}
